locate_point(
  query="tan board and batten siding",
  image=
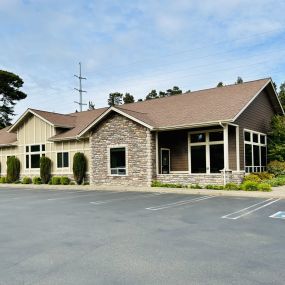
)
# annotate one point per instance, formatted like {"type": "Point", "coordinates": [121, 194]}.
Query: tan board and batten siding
{"type": "Point", "coordinates": [36, 131]}
{"type": "Point", "coordinates": [256, 117]}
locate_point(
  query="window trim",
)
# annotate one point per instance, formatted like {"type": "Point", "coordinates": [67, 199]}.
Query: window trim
{"type": "Point", "coordinates": [207, 145]}
{"type": "Point", "coordinates": [255, 168]}
{"type": "Point", "coordinates": [68, 155]}
{"type": "Point", "coordinates": [109, 159]}
{"type": "Point", "coordinates": [30, 153]}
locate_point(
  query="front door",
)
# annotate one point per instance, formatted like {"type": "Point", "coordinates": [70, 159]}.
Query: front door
{"type": "Point", "coordinates": [165, 161]}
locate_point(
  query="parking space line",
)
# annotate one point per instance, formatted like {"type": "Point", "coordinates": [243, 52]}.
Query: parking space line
{"type": "Point", "coordinates": [246, 211]}
{"type": "Point", "coordinates": [123, 199]}
{"type": "Point", "coordinates": [178, 203]}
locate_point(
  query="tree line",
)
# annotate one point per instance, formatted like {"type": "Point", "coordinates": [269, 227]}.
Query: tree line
{"type": "Point", "coordinates": [10, 93]}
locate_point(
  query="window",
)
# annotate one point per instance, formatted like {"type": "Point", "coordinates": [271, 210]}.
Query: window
{"type": "Point", "coordinates": [118, 161]}
{"type": "Point", "coordinates": [62, 159]}
{"type": "Point", "coordinates": [254, 151]}
{"type": "Point", "coordinates": [33, 155]}
{"type": "Point", "coordinates": [207, 152]}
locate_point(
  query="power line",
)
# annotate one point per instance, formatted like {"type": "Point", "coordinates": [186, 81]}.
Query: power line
{"type": "Point", "coordinates": [80, 89]}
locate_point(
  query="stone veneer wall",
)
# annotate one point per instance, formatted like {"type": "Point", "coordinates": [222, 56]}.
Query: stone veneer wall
{"type": "Point", "coordinates": [119, 130]}
{"type": "Point", "coordinates": [202, 179]}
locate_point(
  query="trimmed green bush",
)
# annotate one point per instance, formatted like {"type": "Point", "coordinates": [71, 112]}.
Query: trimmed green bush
{"type": "Point", "coordinates": [214, 187]}
{"type": "Point", "coordinates": [55, 180]}
{"type": "Point", "coordinates": [37, 180]}
{"type": "Point", "coordinates": [26, 180]}
{"type": "Point", "coordinates": [45, 169]}
{"type": "Point", "coordinates": [231, 186]}
{"type": "Point", "coordinates": [277, 181]}
{"type": "Point", "coordinates": [251, 177]}
{"type": "Point", "coordinates": [276, 167]}
{"type": "Point", "coordinates": [156, 183]}
{"type": "Point", "coordinates": [264, 175]}
{"type": "Point", "coordinates": [64, 180]}
{"type": "Point", "coordinates": [264, 187]}
{"type": "Point", "coordinates": [195, 186]}
{"type": "Point", "coordinates": [79, 167]}
{"type": "Point", "coordinates": [249, 186]}
{"type": "Point", "coordinates": [3, 179]}
{"type": "Point", "coordinates": [13, 169]}
{"type": "Point", "coordinates": [71, 183]}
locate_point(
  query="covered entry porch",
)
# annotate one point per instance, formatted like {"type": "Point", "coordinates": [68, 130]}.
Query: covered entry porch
{"type": "Point", "coordinates": [209, 155]}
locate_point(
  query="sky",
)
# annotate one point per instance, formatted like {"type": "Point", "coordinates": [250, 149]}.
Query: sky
{"type": "Point", "coordinates": [137, 45]}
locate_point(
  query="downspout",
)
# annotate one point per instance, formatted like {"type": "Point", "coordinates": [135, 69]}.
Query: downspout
{"type": "Point", "coordinates": [224, 170]}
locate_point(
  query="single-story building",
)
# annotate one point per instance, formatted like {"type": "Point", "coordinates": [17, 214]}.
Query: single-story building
{"type": "Point", "coordinates": [209, 136]}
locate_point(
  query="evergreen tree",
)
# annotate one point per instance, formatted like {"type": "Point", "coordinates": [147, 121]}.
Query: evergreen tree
{"type": "Point", "coordinates": [115, 99]}
{"type": "Point", "coordinates": [151, 95]}
{"type": "Point", "coordinates": [128, 98]}
{"type": "Point", "coordinates": [10, 84]}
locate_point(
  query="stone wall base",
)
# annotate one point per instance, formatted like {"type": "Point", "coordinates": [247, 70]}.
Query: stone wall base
{"type": "Point", "coordinates": [201, 179]}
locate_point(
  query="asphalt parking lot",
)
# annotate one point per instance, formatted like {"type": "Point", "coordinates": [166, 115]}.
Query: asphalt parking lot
{"type": "Point", "coordinates": [108, 237]}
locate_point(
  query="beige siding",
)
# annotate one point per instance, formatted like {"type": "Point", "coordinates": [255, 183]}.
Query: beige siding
{"type": "Point", "coordinates": [36, 131]}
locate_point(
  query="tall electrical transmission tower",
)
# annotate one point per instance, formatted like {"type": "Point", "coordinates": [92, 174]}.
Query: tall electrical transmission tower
{"type": "Point", "coordinates": [80, 89]}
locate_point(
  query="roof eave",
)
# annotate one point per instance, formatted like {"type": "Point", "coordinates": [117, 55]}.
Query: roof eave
{"type": "Point", "coordinates": [192, 126]}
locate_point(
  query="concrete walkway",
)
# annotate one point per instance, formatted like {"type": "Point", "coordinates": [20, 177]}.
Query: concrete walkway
{"type": "Point", "coordinates": [277, 192]}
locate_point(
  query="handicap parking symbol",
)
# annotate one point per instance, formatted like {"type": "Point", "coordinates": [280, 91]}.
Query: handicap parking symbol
{"type": "Point", "coordinates": [278, 215]}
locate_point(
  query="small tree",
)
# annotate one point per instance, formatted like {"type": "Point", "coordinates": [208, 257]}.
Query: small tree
{"type": "Point", "coordinates": [128, 98]}
{"type": "Point", "coordinates": [276, 139]}
{"type": "Point", "coordinates": [239, 80]}
{"type": "Point", "coordinates": [115, 99]}
{"type": "Point", "coordinates": [220, 84]}
{"type": "Point", "coordinates": [13, 169]}
{"type": "Point", "coordinates": [45, 169]}
{"type": "Point", "coordinates": [79, 167]}
{"type": "Point", "coordinates": [151, 95]}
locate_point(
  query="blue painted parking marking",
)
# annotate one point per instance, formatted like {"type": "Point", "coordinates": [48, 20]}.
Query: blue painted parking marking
{"type": "Point", "coordinates": [278, 215]}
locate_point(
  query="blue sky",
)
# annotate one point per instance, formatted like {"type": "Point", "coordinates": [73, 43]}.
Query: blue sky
{"type": "Point", "coordinates": [136, 46]}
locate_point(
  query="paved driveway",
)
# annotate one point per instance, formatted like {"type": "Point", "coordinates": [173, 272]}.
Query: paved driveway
{"type": "Point", "coordinates": [105, 237]}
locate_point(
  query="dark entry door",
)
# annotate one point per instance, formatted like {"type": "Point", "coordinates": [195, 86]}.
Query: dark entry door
{"type": "Point", "coordinates": [165, 161]}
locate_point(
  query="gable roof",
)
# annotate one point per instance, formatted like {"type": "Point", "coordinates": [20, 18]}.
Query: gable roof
{"type": "Point", "coordinates": [203, 107]}
{"type": "Point", "coordinates": [198, 108]}
{"type": "Point", "coordinates": [7, 139]}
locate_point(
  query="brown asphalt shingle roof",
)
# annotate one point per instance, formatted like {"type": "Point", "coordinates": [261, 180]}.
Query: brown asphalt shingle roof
{"type": "Point", "coordinates": [199, 107]}
{"type": "Point", "coordinates": [7, 138]}
{"type": "Point", "coordinates": [210, 105]}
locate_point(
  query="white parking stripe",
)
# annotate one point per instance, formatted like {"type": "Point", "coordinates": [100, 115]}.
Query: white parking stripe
{"type": "Point", "coordinates": [178, 203]}
{"type": "Point", "coordinates": [245, 212]}
{"type": "Point", "coordinates": [123, 199]}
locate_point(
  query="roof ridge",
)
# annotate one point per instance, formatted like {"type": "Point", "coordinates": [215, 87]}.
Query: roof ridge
{"type": "Point", "coordinates": [201, 90]}
{"type": "Point", "coordinates": [56, 113]}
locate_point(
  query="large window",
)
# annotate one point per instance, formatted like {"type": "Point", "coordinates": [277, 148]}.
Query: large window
{"type": "Point", "coordinates": [62, 159]}
{"type": "Point", "coordinates": [207, 151]}
{"type": "Point", "coordinates": [254, 151]}
{"type": "Point", "coordinates": [118, 161]}
{"type": "Point", "coordinates": [33, 155]}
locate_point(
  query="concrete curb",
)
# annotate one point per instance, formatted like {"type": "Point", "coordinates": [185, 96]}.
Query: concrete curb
{"type": "Point", "coordinates": [277, 192]}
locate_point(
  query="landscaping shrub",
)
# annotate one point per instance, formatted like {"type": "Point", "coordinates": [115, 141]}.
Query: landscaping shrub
{"type": "Point", "coordinates": [265, 187]}
{"type": "Point", "coordinates": [195, 186]}
{"type": "Point", "coordinates": [214, 187]}
{"type": "Point", "coordinates": [71, 183]}
{"type": "Point", "coordinates": [264, 175]}
{"type": "Point", "coordinates": [3, 179]}
{"type": "Point", "coordinates": [26, 180]}
{"type": "Point", "coordinates": [79, 167]}
{"type": "Point", "coordinates": [13, 169]}
{"type": "Point", "coordinates": [231, 186]}
{"type": "Point", "coordinates": [156, 183]}
{"type": "Point", "coordinates": [277, 181]}
{"type": "Point", "coordinates": [64, 180]}
{"type": "Point", "coordinates": [37, 180]}
{"type": "Point", "coordinates": [276, 167]}
{"type": "Point", "coordinates": [249, 186]}
{"type": "Point", "coordinates": [56, 180]}
{"type": "Point", "coordinates": [251, 177]}
{"type": "Point", "coordinates": [45, 169]}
